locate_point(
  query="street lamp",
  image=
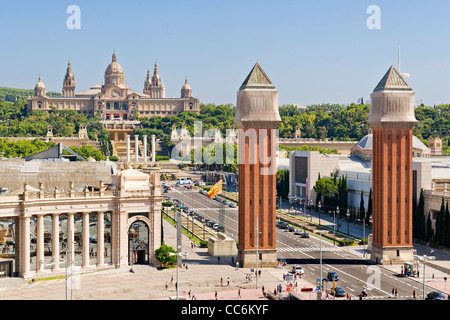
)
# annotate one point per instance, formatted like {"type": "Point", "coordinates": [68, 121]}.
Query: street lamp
{"type": "Point", "coordinates": [425, 258]}
{"type": "Point", "coordinates": [348, 218]}
{"type": "Point", "coordinates": [178, 254]}
{"type": "Point", "coordinates": [319, 205]}
{"type": "Point", "coordinates": [310, 208]}
{"type": "Point", "coordinates": [321, 269]}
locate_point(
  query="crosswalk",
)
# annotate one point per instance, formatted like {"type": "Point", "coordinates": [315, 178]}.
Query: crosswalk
{"type": "Point", "coordinates": [308, 249]}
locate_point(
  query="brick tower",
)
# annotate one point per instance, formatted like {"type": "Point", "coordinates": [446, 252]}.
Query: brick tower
{"type": "Point", "coordinates": [392, 119]}
{"type": "Point", "coordinates": [257, 117]}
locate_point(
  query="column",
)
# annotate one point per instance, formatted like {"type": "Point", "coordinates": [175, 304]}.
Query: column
{"type": "Point", "coordinates": [136, 148]}
{"type": "Point", "coordinates": [145, 147]}
{"type": "Point", "coordinates": [128, 148]}
{"type": "Point", "coordinates": [40, 243]}
{"type": "Point", "coordinates": [70, 239]}
{"type": "Point", "coordinates": [100, 239]}
{"type": "Point", "coordinates": [55, 241]}
{"type": "Point", "coordinates": [85, 239]}
{"type": "Point", "coordinates": [24, 227]}
{"type": "Point", "coordinates": [153, 148]}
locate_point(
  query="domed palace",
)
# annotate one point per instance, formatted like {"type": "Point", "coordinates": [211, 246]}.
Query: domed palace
{"type": "Point", "coordinates": [114, 99]}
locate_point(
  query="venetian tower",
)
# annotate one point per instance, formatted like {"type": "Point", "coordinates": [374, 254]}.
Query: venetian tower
{"type": "Point", "coordinates": [257, 117]}
{"type": "Point", "coordinates": [392, 118]}
{"type": "Point", "coordinates": [69, 83]}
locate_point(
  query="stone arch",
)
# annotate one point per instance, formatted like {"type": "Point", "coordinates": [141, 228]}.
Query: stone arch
{"type": "Point", "coordinates": [138, 254]}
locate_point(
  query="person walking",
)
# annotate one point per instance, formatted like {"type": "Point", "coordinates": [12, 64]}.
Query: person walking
{"type": "Point", "coordinates": [239, 293]}
{"type": "Point", "coordinates": [414, 294]}
{"type": "Point", "coordinates": [215, 294]}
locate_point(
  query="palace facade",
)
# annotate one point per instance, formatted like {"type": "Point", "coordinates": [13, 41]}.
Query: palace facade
{"type": "Point", "coordinates": [114, 99]}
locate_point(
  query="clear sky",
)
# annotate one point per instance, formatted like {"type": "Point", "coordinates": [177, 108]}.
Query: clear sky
{"type": "Point", "coordinates": [313, 51]}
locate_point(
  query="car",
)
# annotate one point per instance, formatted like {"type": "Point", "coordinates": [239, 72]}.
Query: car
{"type": "Point", "coordinates": [233, 205]}
{"type": "Point", "coordinates": [282, 224]}
{"type": "Point", "coordinates": [92, 239]}
{"type": "Point", "coordinates": [291, 229]}
{"type": "Point", "coordinates": [332, 276]}
{"type": "Point", "coordinates": [215, 226]}
{"type": "Point", "coordinates": [298, 232]}
{"type": "Point", "coordinates": [168, 188]}
{"type": "Point", "coordinates": [304, 235]}
{"type": "Point", "coordinates": [297, 269]}
{"type": "Point", "coordinates": [435, 295]}
{"type": "Point", "coordinates": [338, 292]}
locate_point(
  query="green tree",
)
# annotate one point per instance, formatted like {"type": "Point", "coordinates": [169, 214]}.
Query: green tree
{"type": "Point", "coordinates": [429, 236]}
{"type": "Point", "coordinates": [362, 211]}
{"type": "Point", "coordinates": [162, 254]}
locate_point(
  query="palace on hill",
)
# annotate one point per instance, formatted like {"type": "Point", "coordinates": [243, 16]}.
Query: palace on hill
{"type": "Point", "coordinates": [114, 99]}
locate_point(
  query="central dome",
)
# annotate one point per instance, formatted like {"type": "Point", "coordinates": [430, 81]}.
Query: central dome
{"type": "Point", "coordinates": [114, 67]}
{"type": "Point", "coordinates": [114, 73]}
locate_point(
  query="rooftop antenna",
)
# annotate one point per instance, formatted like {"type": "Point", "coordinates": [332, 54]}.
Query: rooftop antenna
{"type": "Point", "coordinates": [407, 75]}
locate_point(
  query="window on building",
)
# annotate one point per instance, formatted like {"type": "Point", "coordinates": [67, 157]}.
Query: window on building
{"type": "Point", "coordinates": [116, 106]}
{"type": "Point", "coordinates": [108, 106]}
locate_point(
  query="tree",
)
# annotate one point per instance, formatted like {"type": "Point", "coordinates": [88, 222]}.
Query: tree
{"type": "Point", "coordinates": [446, 227]}
{"type": "Point", "coordinates": [439, 228]}
{"type": "Point", "coordinates": [429, 236]}
{"type": "Point", "coordinates": [369, 206]}
{"type": "Point", "coordinates": [362, 211]}
{"type": "Point", "coordinates": [162, 255]}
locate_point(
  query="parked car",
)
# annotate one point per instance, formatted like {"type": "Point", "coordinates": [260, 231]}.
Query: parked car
{"type": "Point", "coordinates": [282, 224]}
{"type": "Point", "coordinates": [297, 269]}
{"type": "Point", "coordinates": [332, 276]}
{"type": "Point", "coordinates": [291, 229]}
{"type": "Point", "coordinates": [233, 205]}
{"type": "Point", "coordinates": [216, 226]}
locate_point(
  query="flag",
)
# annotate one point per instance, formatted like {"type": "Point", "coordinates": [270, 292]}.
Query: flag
{"type": "Point", "coordinates": [215, 190]}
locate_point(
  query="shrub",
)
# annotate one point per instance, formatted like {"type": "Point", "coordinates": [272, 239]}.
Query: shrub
{"type": "Point", "coordinates": [203, 244]}
{"type": "Point", "coordinates": [114, 158]}
{"type": "Point", "coordinates": [346, 242]}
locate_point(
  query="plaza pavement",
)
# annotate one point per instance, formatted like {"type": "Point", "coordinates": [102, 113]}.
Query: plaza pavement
{"type": "Point", "coordinates": [202, 277]}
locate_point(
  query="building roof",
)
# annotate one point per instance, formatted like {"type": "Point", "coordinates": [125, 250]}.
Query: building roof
{"type": "Point", "coordinates": [257, 79]}
{"type": "Point", "coordinates": [392, 80]}
{"type": "Point", "coordinates": [366, 143]}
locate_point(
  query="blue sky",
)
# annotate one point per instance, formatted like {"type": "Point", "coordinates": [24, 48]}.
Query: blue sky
{"type": "Point", "coordinates": [313, 51]}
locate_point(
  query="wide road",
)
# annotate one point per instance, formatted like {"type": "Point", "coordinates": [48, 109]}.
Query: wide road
{"type": "Point", "coordinates": [354, 271]}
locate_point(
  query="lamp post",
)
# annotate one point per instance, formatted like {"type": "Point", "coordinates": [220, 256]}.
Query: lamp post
{"type": "Point", "coordinates": [178, 254]}
{"type": "Point", "coordinates": [310, 208]}
{"type": "Point", "coordinates": [321, 269]}
{"type": "Point", "coordinates": [319, 205]}
{"type": "Point", "coordinates": [425, 258]}
{"type": "Point", "coordinates": [348, 218]}
{"type": "Point", "coordinates": [337, 210]}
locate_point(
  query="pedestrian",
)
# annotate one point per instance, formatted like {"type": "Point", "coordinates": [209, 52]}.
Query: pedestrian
{"type": "Point", "coordinates": [232, 260]}
{"type": "Point", "coordinates": [396, 293]}
{"type": "Point", "coordinates": [166, 285]}
{"type": "Point", "coordinates": [239, 293]}
{"type": "Point", "coordinates": [194, 296]}
{"type": "Point", "coordinates": [414, 294]}
{"type": "Point", "coordinates": [259, 273]}
{"type": "Point", "coordinates": [228, 281]}
{"type": "Point", "coordinates": [221, 281]}
{"type": "Point", "coordinates": [432, 277]}
{"type": "Point", "coordinates": [262, 288]}
{"type": "Point", "coordinates": [189, 293]}
{"type": "Point", "coordinates": [218, 259]}
{"type": "Point", "coordinates": [171, 279]}
{"type": "Point", "coordinates": [215, 294]}
{"type": "Point", "coordinates": [393, 292]}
